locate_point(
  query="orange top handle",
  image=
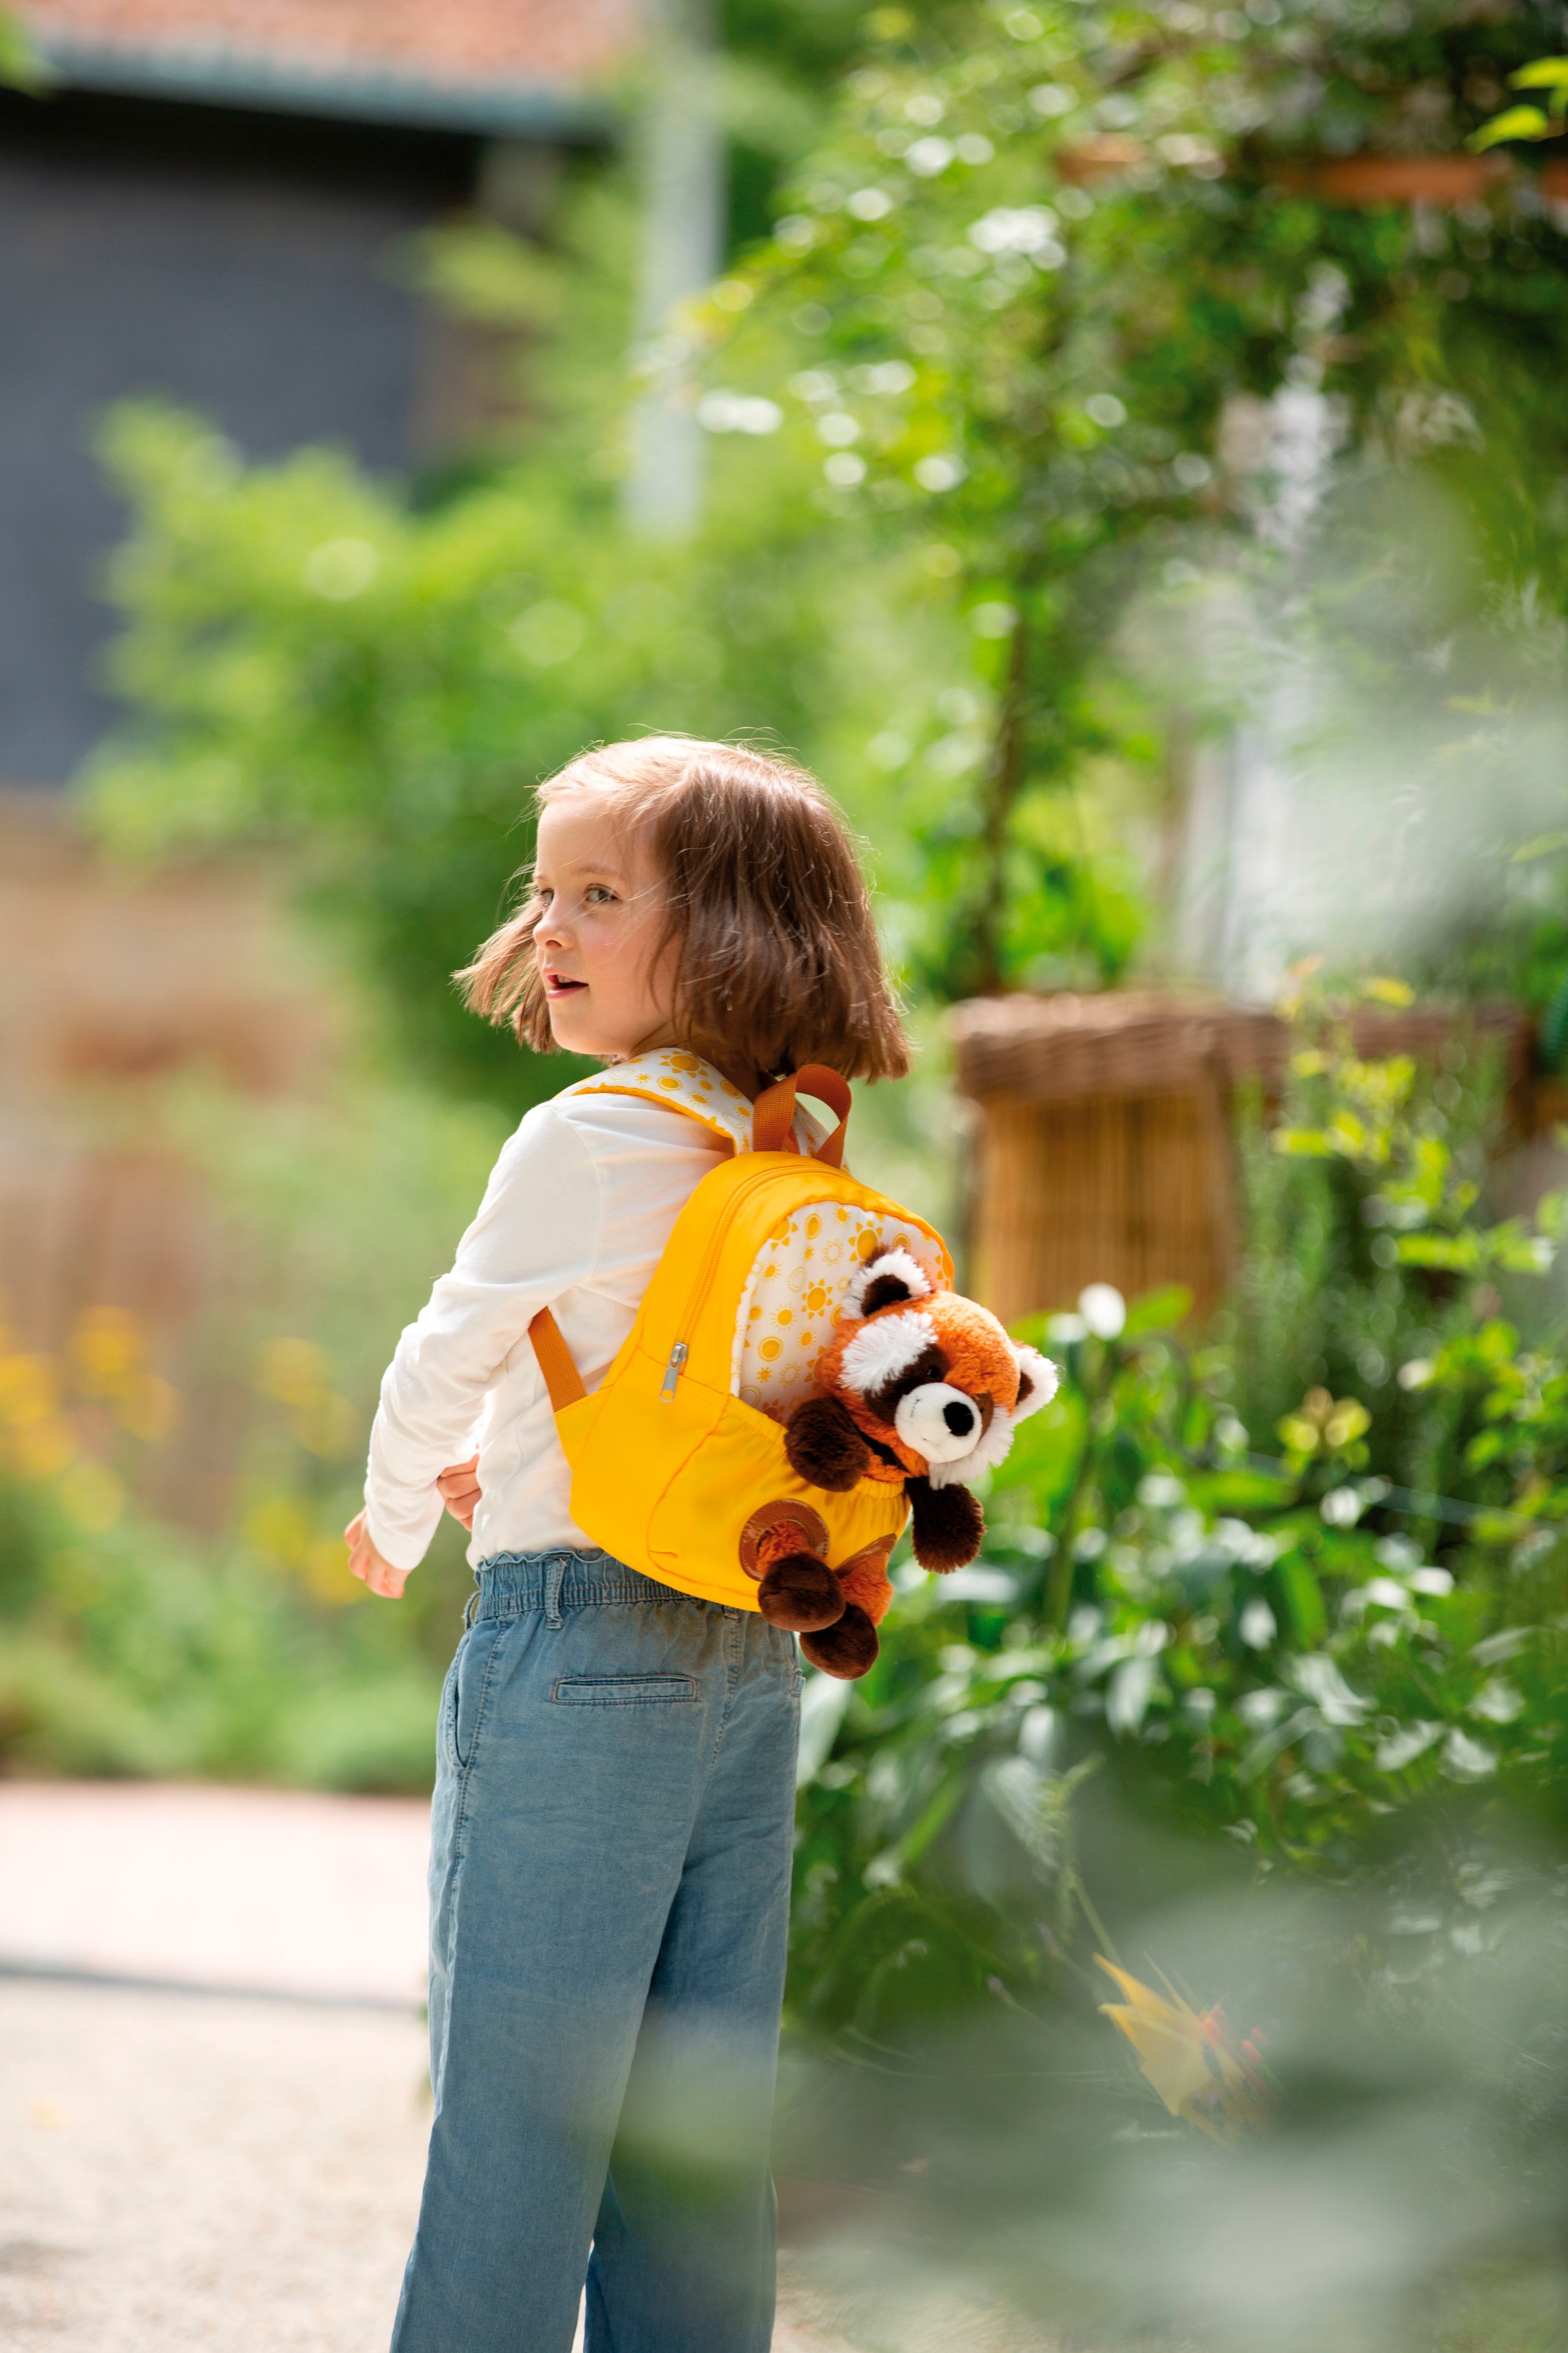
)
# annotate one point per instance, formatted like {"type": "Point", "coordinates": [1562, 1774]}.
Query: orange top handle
{"type": "Point", "coordinates": [774, 1117]}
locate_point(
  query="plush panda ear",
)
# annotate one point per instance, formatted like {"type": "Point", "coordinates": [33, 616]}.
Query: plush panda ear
{"type": "Point", "coordinates": [889, 1280]}
{"type": "Point", "coordinates": [1037, 1378]}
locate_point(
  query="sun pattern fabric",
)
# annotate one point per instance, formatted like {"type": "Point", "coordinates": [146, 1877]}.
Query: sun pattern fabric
{"type": "Point", "coordinates": [686, 1084]}
{"type": "Point", "coordinates": [795, 1293]}
{"type": "Point", "coordinates": [795, 1290]}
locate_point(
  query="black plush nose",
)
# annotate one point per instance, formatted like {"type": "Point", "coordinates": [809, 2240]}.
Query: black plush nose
{"type": "Point", "coordinates": [960, 1419]}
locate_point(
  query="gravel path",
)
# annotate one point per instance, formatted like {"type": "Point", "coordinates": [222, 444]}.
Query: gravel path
{"type": "Point", "coordinates": [180, 2171]}
{"type": "Point", "coordinates": [228, 2154]}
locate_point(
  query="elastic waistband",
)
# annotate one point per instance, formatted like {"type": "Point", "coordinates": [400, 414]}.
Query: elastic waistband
{"type": "Point", "coordinates": [553, 1581]}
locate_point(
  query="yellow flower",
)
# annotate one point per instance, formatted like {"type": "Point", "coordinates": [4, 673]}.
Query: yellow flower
{"type": "Point", "coordinates": [28, 1389]}
{"type": "Point", "coordinates": [292, 1371]}
{"type": "Point", "coordinates": [1324, 1423]}
{"type": "Point", "coordinates": [1189, 2058]}
{"type": "Point", "coordinates": [110, 1351]}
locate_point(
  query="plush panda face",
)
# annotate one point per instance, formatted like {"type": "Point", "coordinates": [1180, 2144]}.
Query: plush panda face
{"type": "Point", "coordinates": [932, 1380]}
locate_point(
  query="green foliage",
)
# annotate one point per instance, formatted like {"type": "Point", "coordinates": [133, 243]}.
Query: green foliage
{"type": "Point", "coordinates": [1298, 1627]}
{"type": "Point", "coordinates": [380, 689]}
{"type": "Point", "coordinates": [130, 1649]}
{"type": "Point", "coordinates": [1022, 276]}
{"type": "Point", "coordinates": [1529, 121]}
{"type": "Point", "coordinates": [19, 62]}
{"type": "Point", "coordinates": [315, 662]}
{"type": "Point", "coordinates": [134, 1647]}
{"type": "Point", "coordinates": [1040, 251]}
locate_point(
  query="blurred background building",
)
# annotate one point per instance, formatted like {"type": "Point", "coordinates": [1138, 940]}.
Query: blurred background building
{"type": "Point", "coordinates": [212, 205]}
{"type": "Point", "coordinates": [208, 204]}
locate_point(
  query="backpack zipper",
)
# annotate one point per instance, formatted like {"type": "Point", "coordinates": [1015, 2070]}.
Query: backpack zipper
{"type": "Point", "coordinates": [681, 1349]}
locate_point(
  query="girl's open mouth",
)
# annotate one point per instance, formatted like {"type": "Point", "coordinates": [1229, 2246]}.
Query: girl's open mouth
{"type": "Point", "coordinates": [558, 985]}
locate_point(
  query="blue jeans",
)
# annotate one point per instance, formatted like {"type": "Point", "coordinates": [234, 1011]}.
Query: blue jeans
{"type": "Point", "coordinates": [609, 1883]}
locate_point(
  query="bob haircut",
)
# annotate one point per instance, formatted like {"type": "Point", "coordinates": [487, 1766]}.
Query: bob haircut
{"type": "Point", "coordinates": [776, 957]}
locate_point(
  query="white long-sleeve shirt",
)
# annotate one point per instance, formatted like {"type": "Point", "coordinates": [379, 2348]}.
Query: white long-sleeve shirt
{"type": "Point", "coordinates": [575, 1216]}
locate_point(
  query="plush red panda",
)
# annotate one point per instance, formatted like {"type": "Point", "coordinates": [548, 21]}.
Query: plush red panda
{"type": "Point", "coordinates": [917, 1386]}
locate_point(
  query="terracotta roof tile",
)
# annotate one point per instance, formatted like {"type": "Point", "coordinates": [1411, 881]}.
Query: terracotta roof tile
{"type": "Point", "coordinates": [468, 44]}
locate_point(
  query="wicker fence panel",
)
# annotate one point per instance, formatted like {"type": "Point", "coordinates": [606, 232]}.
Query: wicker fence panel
{"type": "Point", "coordinates": [1106, 1148]}
{"type": "Point", "coordinates": [1132, 1189]}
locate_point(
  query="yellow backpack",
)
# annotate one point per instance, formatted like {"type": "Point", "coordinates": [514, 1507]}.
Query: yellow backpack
{"type": "Point", "coordinates": [673, 1470]}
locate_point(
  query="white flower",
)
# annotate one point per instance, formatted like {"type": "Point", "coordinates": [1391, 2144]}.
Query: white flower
{"type": "Point", "coordinates": [1159, 1491]}
{"type": "Point", "coordinates": [885, 376]}
{"type": "Point", "coordinates": [1103, 1309]}
{"type": "Point", "coordinates": [1026, 228]}
{"type": "Point", "coordinates": [927, 157]}
{"type": "Point", "coordinates": [738, 412]}
{"type": "Point", "coordinates": [940, 473]}
{"type": "Point", "coordinates": [1257, 1624]}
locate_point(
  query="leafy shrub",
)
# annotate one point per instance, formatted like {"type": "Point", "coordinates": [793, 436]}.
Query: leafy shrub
{"type": "Point", "coordinates": [1287, 1634]}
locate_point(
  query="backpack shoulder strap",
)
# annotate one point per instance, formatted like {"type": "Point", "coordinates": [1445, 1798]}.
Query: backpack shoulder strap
{"type": "Point", "coordinates": [677, 1081]}
{"type": "Point", "coordinates": [684, 1082]}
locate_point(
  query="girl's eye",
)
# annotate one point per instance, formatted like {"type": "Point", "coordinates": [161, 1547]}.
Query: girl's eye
{"type": "Point", "coordinates": [598, 894]}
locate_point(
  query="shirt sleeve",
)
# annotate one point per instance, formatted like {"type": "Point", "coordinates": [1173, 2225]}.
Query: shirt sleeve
{"type": "Point", "coordinates": [536, 1234]}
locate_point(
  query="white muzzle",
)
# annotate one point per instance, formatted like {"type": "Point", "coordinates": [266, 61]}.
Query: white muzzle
{"type": "Point", "coordinates": [939, 1422]}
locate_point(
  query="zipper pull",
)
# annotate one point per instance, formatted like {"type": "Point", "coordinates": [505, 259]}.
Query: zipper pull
{"type": "Point", "coordinates": [677, 1356]}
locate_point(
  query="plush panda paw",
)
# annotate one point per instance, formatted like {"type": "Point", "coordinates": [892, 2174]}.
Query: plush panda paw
{"type": "Point", "coordinates": [847, 1650]}
{"type": "Point", "coordinates": [800, 1594]}
{"type": "Point", "coordinates": [948, 1525]}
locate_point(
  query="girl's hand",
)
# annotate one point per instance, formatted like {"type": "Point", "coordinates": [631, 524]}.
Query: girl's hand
{"type": "Point", "coordinates": [459, 1490]}
{"type": "Point", "coordinates": [377, 1575]}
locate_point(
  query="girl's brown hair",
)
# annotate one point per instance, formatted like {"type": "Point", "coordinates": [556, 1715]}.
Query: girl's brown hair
{"type": "Point", "coordinates": [776, 957]}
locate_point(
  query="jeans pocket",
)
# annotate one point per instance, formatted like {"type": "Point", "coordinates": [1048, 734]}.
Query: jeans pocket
{"type": "Point", "coordinates": [447, 1723]}
{"type": "Point", "coordinates": [467, 1691]}
{"type": "Point", "coordinates": [622, 1690]}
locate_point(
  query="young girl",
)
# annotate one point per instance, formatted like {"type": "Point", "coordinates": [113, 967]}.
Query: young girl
{"type": "Point", "coordinates": [612, 1824]}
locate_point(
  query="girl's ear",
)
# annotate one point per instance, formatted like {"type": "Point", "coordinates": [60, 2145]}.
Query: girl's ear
{"type": "Point", "coordinates": [1037, 1378]}
{"type": "Point", "coordinates": [885, 1280]}
{"type": "Point", "coordinates": [948, 1525]}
